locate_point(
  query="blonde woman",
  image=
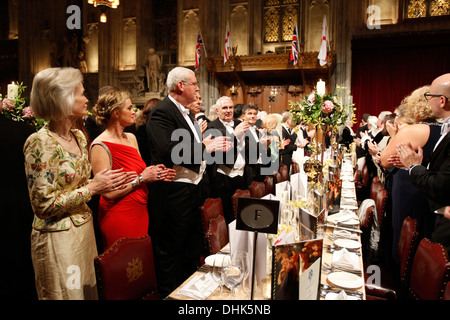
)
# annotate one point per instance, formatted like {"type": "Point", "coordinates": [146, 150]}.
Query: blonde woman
{"type": "Point", "coordinates": [63, 245]}
{"type": "Point", "coordinates": [424, 132]}
{"type": "Point", "coordinates": [122, 213]}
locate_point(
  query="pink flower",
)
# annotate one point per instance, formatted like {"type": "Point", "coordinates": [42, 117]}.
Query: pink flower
{"type": "Point", "coordinates": [327, 107]}
{"type": "Point", "coordinates": [27, 112]}
{"type": "Point", "coordinates": [312, 97]}
{"type": "Point", "coordinates": [9, 103]}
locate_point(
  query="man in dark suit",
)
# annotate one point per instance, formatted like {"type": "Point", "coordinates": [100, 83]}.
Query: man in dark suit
{"type": "Point", "coordinates": [257, 152]}
{"type": "Point", "coordinates": [288, 134]}
{"type": "Point", "coordinates": [16, 212]}
{"type": "Point", "coordinates": [227, 171]}
{"type": "Point", "coordinates": [175, 140]}
{"type": "Point", "coordinates": [434, 181]}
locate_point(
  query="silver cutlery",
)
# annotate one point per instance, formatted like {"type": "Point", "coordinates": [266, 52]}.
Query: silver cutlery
{"type": "Point", "coordinates": [338, 289]}
{"type": "Point", "coordinates": [327, 268]}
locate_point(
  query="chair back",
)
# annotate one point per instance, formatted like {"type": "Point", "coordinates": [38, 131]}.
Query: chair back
{"type": "Point", "coordinates": [295, 167]}
{"type": "Point", "coordinates": [375, 187]}
{"type": "Point", "coordinates": [407, 245]}
{"type": "Point", "coordinates": [257, 189]}
{"type": "Point", "coordinates": [234, 199]}
{"type": "Point", "coordinates": [447, 292]}
{"type": "Point", "coordinates": [277, 177]}
{"type": "Point", "coordinates": [284, 172]}
{"type": "Point", "coordinates": [126, 271]}
{"type": "Point", "coordinates": [365, 175]}
{"type": "Point", "coordinates": [430, 271]}
{"type": "Point", "coordinates": [214, 225]}
{"type": "Point", "coordinates": [380, 203]}
{"type": "Point", "coordinates": [270, 185]}
{"type": "Point", "coordinates": [366, 226]}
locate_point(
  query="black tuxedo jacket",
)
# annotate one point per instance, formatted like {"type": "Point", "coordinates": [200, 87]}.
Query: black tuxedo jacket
{"type": "Point", "coordinates": [164, 139]}
{"type": "Point", "coordinates": [435, 183]}
{"type": "Point", "coordinates": [233, 152]}
{"type": "Point", "coordinates": [286, 153]}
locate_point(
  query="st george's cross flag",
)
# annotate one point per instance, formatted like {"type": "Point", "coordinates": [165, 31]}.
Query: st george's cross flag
{"type": "Point", "coordinates": [323, 56]}
{"type": "Point", "coordinates": [226, 54]}
{"type": "Point", "coordinates": [294, 48]}
{"type": "Point", "coordinates": [198, 48]}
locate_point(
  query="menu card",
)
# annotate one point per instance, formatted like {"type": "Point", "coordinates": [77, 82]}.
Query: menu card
{"type": "Point", "coordinates": [299, 183]}
{"type": "Point", "coordinates": [294, 272]}
{"type": "Point", "coordinates": [311, 225]}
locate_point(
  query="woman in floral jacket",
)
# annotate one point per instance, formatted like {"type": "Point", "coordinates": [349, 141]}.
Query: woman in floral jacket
{"type": "Point", "coordinates": [63, 244]}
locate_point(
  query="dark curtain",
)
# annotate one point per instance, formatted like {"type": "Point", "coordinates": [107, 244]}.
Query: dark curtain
{"type": "Point", "coordinates": [389, 68]}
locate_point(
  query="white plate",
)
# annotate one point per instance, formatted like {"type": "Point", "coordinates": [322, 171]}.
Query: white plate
{"type": "Point", "coordinates": [346, 280]}
{"type": "Point", "coordinates": [209, 260]}
{"type": "Point", "coordinates": [346, 243]}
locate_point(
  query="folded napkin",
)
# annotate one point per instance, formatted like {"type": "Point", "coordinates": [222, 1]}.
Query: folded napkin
{"type": "Point", "coordinates": [339, 233]}
{"type": "Point", "coordinates": [345, 259]}
{"type": "Point", "coordinates": [348, 201]}
{"type": "Point", "coordinates": [200, 287]}
{"type": "Point", "coordinates": [342, 216]}
{"type": "Point", "coordinates": [339, 296]}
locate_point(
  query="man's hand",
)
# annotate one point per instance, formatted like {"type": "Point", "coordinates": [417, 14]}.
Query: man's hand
{"type": "Point", "coordinates": [408, 156]}
{"type": "Point", "coordinates": [241, 128]}
{"type": "Point", "coordinates": [221, 143]}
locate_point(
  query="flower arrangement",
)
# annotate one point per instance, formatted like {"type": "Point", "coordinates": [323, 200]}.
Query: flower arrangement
{"type": "Point", "coordinates": [323, 110]}
{"type": "Point", "coordinates": [17, 109]}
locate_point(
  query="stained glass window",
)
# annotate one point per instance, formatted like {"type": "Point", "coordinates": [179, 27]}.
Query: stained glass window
{"type": "Point", "coordinates": [417, 9]}
{"type": "Point", "coordinates": [280, 17]}
{"type": "Point", "coordinates": [427, 8]}
{"type": "Point", "coordinates": [439, 8]}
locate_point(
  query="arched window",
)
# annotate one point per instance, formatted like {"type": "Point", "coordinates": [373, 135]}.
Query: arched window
{"type": "Point", "coordinates": [280, 17]}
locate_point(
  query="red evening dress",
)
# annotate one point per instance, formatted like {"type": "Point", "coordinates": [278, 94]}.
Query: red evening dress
{"type": "Point", "coordinates": [126, 216]}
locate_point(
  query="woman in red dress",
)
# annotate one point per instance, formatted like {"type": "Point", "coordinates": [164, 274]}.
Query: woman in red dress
{"type": "Point", "coordinates": [122, 212]}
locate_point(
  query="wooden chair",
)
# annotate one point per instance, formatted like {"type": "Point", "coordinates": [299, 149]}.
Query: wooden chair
{"type": "Point", "coordinates": [270, 185]}
{"type": "Point", "coordinates": [430, 271]}
{"type": "Point", "coordinates": [407, 246]}
{"type": "Point", "coordinates": [126, 271]}
{"type": "Point", "coordinates": [257, 189]}
{"type": "Point", "coordinates": [276, 177]}
{"type": "Point", "coordinates": [284, 172]}
{"type": "Point", "coordinates": [447, 292]}
{"type": "Point", "coordinates": [295, 167]}
{"type": "Point", "coordinates": [235, 196]}
{"type": "Point", "coordinates": [214, 225]}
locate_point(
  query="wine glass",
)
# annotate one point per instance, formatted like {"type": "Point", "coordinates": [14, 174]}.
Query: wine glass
{"type": "Point", "coordinates": [242, 259]}
{"type": "Point", "coordinates": [233, 274]}
{"type": "Point", "coordinates": [219, 263]}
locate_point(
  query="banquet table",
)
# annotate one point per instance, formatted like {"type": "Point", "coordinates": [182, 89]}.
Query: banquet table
{"type": "Point", "coordinates": [340, 285]}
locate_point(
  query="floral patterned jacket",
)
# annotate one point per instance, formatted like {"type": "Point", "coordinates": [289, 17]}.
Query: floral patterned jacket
{"type": "Point", "coordinates": [57, 181]}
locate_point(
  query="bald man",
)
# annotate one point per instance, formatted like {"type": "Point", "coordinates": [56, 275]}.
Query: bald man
{"type": "Point", "coordinates": [434, 181]}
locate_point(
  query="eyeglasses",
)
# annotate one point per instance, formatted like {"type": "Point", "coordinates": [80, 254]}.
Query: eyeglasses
{"type": "Point", "coordinates": [428, 96]}
{"type": "Point", "coordinates": [191, 83]}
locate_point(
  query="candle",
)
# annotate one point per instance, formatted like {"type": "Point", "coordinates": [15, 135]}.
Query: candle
{"type": "Point", "coordinates": [321, 87]}
{"type": "Point", "coordinates": [13, 91]}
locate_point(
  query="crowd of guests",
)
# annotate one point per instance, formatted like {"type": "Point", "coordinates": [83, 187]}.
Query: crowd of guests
{"type": "Point", "coordinates": [408, 150]}
{"type": "Point", "coordinates": [148, 172]}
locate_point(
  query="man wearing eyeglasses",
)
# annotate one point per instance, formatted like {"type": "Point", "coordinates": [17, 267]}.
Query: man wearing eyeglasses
{"type": "Point", "coordinates": [434, 181]}
{"type": "Point", "coordinates": [176, 140]}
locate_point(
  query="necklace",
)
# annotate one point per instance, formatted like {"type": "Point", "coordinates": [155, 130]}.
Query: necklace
{"type": "Point", "coordinates": [64, 138]}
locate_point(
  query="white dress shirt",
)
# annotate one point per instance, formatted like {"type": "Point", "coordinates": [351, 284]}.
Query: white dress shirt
{"type": "Point", "coordinates": [238, 168]}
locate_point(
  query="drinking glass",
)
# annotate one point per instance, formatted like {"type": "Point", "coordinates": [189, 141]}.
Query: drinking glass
{"type": "Point", "coordinates": [233, 274]}
{"type": "Point", "coordinates": [242, 259]}
{"type": "Point", "coordinates": [218, 264]}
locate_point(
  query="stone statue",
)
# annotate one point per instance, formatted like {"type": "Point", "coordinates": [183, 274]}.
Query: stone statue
{"type": "Point", "coordinates": [153, 70]}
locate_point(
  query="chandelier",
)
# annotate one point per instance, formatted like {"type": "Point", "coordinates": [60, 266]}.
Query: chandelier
{"type": "Point", "coordinates": [104, 4]}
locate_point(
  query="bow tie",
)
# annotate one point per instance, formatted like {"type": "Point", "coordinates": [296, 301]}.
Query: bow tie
{"type": "Point", "coordinates": [185, 112]}
{"type": "Point", "coordinates": [229, 124]}
{"type": "Point", "coordinates": [445, 126]}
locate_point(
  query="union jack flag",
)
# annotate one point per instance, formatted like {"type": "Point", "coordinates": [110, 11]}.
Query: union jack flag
{"type": "Point", "coordinates": [294, 48]}
{"type": "Point", "coordinates": [198, 52]}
